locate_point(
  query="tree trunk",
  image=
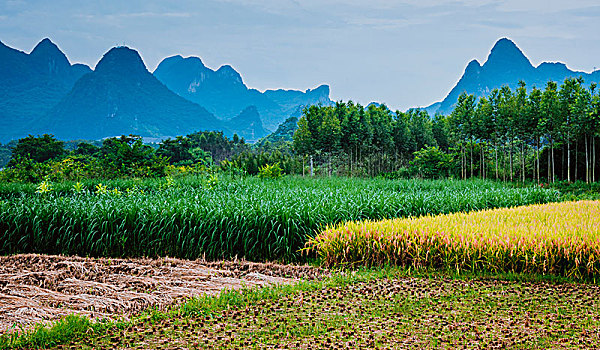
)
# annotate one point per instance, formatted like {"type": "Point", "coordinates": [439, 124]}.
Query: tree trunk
{"type": "Point", "coordinates": [303, 165]}
{"type": "Point", "coordinates": [569, 160]}
{"type": "Point", "coordinates": [462, 163]}
{"type": "Point", "coordinates": [523, 160]}
{"type": "Point", "coordinates": [553, 167]}
{"type": "Point", "coordinates": [350, 161]}
{"type": "Point", "coordinates": [510, 159]}
{"type": "Point", "coordinates": [471, 159]}
{"type": "Point", "coordinates": [562, 163]}
{"type": "Point", "coordinates": [587, 162]}
{"type": "Point", "coordinates": [593, 158]}
{"type": "Point", "coordinates": [537, 157]}
{"type": "Point", "coordinates": [549, 168]}
{"type": "Point", "coordinates": [504, 163]}
{"type": "Point", "coordinates": [496, 152]}
{"type": "Point", "coordinates": [576, 159]}
{"type": "Point", "coordinates": [482, 151]}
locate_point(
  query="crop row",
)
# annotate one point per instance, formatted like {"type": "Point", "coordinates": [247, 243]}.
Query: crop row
{"type": "Point", "coordinates": [556, 238]}
{"type": "Point", "coordinates": [251, 218]}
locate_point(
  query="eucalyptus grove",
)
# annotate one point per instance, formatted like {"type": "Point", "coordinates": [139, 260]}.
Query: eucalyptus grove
{"type": "Point", "coordinates": [510, 135]}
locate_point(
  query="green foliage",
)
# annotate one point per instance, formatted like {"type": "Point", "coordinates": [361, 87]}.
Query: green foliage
{"type": "Point", "coordinates": [432, 163]}
{"type": "Point", "coordinates": [37, 148]}
{"type": "Point", "coordinates": [44, 187]}
{"type": "Point", "coordinates": [508, 135]}
{"type": "Point", "coordinates": [25, 170]}
{"type": "Point", "coordinates": [248, 217]}
{"type": "Point", "coordinates": [86, 149]}
{"type": "Point", "coordinates": [303, 142]}
{"type": "Point", "coordinates": [270, 171]}
{"type": "Point", "coordinates": [211, 181]}
{"type": "Point", "coordinates": [251, 162]}
{"type": "Point", "coordinates": [281, 138]}
{"type": "Point", "coordinates": [119, 157]}
{"type": "Point", "coordinates": [78, 187]}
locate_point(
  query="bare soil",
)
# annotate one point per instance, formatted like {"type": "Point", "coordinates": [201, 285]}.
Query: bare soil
{"type": "Point", "coordinates": [386, 313]}
{"type": "Point", "coordinates": [37, 288]}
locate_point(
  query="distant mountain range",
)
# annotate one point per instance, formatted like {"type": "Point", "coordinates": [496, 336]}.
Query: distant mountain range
{"type": "Point", "coordinates": [121, 97]}
{"type": "Point", "coordinates": [43, 93]}
{"type": "Point", "coordinates": [224, 93]}
{"type": "Point", "coordinates": [506, 65]}
{"type": "Point", "coordinates": [31, 84]}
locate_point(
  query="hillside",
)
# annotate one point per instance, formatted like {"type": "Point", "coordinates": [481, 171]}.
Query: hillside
{"type": "Point", "coordinates": [31, 84]}
{"type": "Point", "coordinates": [224, 93]}
{"type": "Point", "coordinates": [248, 125]}
{"type": "Point", "coordinates": [122, 97]}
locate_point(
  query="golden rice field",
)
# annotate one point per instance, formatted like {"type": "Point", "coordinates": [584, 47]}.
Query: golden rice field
{"type": "Point", "coordinates": [558, 238]}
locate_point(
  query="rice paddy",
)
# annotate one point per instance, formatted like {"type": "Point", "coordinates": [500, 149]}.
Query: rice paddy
{"type": "Point", "coordinates": [557, 238]}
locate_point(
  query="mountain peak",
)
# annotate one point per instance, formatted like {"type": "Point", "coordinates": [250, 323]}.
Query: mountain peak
{"type": "Point", "coordinates": [320, 90]}
{"type": "Point", "coordinates": [228, 71]}
{"type": "Point", "coordinates": [46, 47]}
{"type": "Point", "coordinates": [505, 65]}
{"type": "Point", "coordinates": [45, 42]}
{"type": "Point", "coordinates": [506, 52]}
{"type": "Point", "coordinates": [504, 43]}
{"type": "Point", "coordinates": [121, 59]}
{"type": "Point", "coordinates": [473, 64]}
{"type": "Point", "coordinates": [473, 69]}
{"type": "Point", "coordinates": [195, 60]}
{"type": "Point", "coordinates": [49, 57]}
{"type": "Point", "coordinates": [248, 124]}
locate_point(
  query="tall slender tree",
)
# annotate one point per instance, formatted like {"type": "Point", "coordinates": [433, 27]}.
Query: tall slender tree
{"type": "Point", "coordinates": [549, 123]}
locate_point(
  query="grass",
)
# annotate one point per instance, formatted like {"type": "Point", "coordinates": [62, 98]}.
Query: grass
{"type": "Point", "coordinates": [556, 238]}
{"type": "Point", "coordinates": [260, 220]}
{"type": "Point", "coordinates": [381, 308]}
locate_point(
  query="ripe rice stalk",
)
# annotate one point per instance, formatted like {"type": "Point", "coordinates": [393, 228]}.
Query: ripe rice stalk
{"type": "Point", "coordinates": [556, 238]}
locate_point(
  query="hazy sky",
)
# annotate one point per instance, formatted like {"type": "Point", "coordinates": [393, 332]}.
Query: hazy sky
{"type": "Point", "coordinates": [404, 53]}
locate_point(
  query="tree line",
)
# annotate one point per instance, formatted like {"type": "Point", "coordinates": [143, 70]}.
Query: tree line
{"type": "Point", "coordinates": [540, 135]}
{"type": "Point", "coordinates": [523, 135]}
{"type": "Point", "coordinates": [38, 158]}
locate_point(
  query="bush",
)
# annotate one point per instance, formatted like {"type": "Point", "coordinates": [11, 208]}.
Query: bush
{"type": "Point", "coordinates": [432, 163]}
{"type": "Point", "coordinates": [270, 171]}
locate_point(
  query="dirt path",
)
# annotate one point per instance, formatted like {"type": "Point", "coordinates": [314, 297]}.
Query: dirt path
{"type": "Point", "coordinates": [37, 288]}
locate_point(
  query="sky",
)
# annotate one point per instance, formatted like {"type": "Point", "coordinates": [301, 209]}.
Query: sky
{"type": "Point", "coordinates": [403, 53]}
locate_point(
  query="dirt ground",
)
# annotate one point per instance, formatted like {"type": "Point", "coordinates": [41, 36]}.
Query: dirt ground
{"type": "Point", "coordinates": [38, 288]}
